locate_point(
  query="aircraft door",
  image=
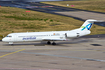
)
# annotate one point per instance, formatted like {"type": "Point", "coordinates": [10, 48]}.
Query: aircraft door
{"type": "Point", "coordinates": [15, 37]}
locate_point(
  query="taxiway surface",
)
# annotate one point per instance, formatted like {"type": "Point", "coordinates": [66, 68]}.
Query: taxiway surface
{"type": "Point", "coordinates": [84, 53]}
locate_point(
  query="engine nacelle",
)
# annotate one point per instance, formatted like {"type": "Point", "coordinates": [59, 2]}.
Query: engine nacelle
{"type": "Point", "coordinates": [76, 34]}
{"type": "Point", "coordinates": [71, 35]}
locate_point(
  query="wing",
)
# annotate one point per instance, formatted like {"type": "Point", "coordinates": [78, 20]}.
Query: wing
{"type": "Point", "coordinates": [54, 39]}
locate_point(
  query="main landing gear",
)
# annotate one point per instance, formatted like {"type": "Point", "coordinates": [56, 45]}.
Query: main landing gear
{"type": "Point", "coordinates": [53, 43]}
{"type": "Point", "coordinates": [50, 43]}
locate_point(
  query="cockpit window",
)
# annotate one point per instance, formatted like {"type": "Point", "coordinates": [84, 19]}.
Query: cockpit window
{"type": "Point", "coordinates": [8, 36]}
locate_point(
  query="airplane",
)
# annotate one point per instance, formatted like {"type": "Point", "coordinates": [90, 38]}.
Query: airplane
{"type": "Point", "coordinates": [51, 35]}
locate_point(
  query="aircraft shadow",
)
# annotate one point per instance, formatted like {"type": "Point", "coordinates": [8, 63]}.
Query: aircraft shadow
{"type": "Point", "coordinates": [20, 44]}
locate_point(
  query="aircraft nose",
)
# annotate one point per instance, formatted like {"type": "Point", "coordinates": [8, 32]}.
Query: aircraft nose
{"type": "Point", "coordinates": [3, 39]}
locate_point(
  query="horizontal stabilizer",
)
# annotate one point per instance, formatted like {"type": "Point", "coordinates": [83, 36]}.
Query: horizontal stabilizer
{"type": "Point", "coordinates": [88, 24]}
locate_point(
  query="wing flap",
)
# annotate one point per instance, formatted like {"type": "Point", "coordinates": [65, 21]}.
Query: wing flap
{"type": "Point", "coordinates": [54, 39]}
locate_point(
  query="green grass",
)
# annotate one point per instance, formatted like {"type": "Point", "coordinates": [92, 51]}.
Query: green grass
{"type": "Point", "coordinates": [13, 20]}
{"type": "Point", "coordinates": [92, 5]}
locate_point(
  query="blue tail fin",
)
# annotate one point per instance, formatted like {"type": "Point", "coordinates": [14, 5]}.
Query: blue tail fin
{"type": "Point", "coordinates": [88, 24]}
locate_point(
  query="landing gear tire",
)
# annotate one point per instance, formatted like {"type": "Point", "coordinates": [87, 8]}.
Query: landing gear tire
{"type": "Point", "coordinates": [53, 43]}
{"type": "Point", "coordinates": [48, 42]}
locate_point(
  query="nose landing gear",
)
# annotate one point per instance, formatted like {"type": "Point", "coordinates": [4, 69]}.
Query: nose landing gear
{"type": "Point", "coordinates": [10, 42]}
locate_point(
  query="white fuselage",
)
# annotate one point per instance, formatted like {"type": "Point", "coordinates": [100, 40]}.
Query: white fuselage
{"type": "Point", "coordinates": [44, 36]}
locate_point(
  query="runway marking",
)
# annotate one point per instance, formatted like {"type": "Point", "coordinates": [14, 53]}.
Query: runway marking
{"type": "Point", "coordinates": [11, 53]}
{"type": "Point", "coordinates": [27, 69]}
{"type": "Point", "coordinates": [88, 59]}
{"type": "Point", "coordinates": [50, 49]}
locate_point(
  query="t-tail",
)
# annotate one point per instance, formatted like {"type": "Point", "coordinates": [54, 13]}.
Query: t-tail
{"type": "Point", "coordinates": [85, 28]}
{"type": "Point", "coordinates": [88, 24]}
